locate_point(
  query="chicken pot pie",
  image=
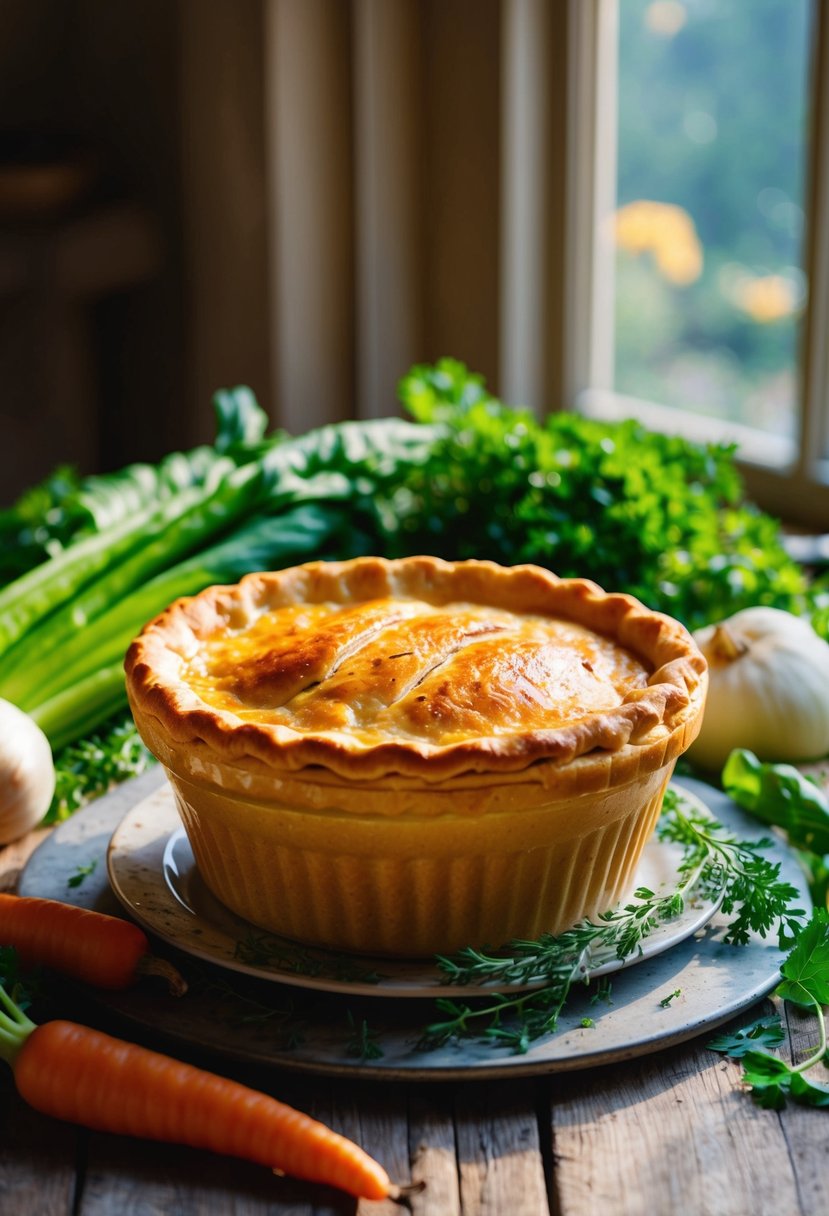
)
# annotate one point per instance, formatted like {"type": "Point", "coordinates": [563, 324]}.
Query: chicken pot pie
{"type": "Point", "coordinates": [406, 757]}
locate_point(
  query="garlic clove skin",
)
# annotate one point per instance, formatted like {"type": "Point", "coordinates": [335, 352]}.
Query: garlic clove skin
{"type": "Point", "coordinates": [27, 773]}
{"type": "Point", "coordinates": [768, 689]}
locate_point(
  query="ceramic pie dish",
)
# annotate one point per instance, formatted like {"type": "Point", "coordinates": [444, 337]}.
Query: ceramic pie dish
{"type": "Point", "coordinates": [406, 757]}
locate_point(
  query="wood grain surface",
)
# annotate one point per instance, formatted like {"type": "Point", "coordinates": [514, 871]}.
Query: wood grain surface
{"type": "Point", "coordinates": [668, 1133]}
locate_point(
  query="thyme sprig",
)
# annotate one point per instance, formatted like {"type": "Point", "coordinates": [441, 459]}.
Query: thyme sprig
{"type": "Point", "coordinates": [714, 864]}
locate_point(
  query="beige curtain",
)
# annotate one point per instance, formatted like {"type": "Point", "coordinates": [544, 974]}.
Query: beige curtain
{"type": "Point", "coordinates": [371, 183]}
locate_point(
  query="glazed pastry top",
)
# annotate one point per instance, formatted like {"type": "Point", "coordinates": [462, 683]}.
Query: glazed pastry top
{"type": "Point", "coordinates": [406, 669]}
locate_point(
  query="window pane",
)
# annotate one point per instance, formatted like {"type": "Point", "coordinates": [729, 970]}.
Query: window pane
{"type": "Point", "coordinates": [710, 206]}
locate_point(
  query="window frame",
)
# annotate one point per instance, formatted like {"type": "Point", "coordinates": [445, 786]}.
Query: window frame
{"type": "Point", "coordinates": [788, 480]}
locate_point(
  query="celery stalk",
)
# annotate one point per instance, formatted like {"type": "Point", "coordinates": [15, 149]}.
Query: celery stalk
{"type": "Point", "coordinates": [173, 533]}
{"type": "Point", "coordinates": [76, 711]}
{"type": "Point", "coordinates": [263, 543]}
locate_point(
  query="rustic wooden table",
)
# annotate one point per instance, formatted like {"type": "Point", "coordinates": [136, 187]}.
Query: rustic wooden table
{"type": "Point", "coordinates": [667, 1133]}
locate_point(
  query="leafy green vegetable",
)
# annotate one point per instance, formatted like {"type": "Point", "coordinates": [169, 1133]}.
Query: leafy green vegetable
{"type": "Point", "coordinates": [768, 1077]}
{"type": "Point", "coordinates": [637, 511]}
{"type": "Point", "coordinates": [34, 527]}
{"type": "Point", "coordinates": [806, 970]}
{"type": "Point", "coordinates": [62, 596]}
{"type": "Point", "coordinates": [65, 508]}
{"type": "Point", "coordinates": [26, 601]}
{"type": "Point", "coordinates": [80, 709]}
{"type": "Point", "coordinates": [807, 1092]}
{"type": "Point", "coordinates": [805, 983]}
{"type": "Point", "coordinates": [240, 423]}
{"type": "Point", "coordinates": [781, 795]}
{"type": "Point", "coordinates": [713, 862]}
{"type": "Point", "coordinates": [170, 506]}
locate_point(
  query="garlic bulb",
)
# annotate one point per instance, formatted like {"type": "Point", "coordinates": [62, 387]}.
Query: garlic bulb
{"type": "Point", "coordinates": [27, 774]}
{"type": "Point", "coordinates": [768, 688]}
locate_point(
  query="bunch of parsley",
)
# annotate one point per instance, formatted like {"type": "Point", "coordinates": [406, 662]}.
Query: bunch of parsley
{"type": "Point", "coordinates": [654, 515]}
{"type": "Point", "coordinates": [805, 972]}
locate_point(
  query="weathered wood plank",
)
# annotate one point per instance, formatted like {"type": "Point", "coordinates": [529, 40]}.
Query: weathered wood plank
{"type": "Point", "coordinates": [806, 1131]}
{"type": "Point", "coordinates": [670, 1133]}
{"type": "Point", "coordinates": [373, 1116]}
{"type": "Point", "coordinates": [499, 1151]}
{"type": "Point", "coordinates": [14, 856]}
{"type": "Point", "coordinates": [166, 1178]}
{"type": "Point", "coordinates": [37, 1158]}
{"type": "Point", "coordinates": [433, 1151]}
{"type": "Point", "coordinates": [139, 1178]}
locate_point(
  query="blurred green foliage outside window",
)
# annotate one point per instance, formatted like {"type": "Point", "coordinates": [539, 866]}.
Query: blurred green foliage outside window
{"type": "Point", "coordinates": [712, 150]}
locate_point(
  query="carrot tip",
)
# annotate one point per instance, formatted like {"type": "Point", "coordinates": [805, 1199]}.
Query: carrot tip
{"type": "Point", "coordinates": [400, 1194]}
{"type": "Point", "coordinates": [150, 965]}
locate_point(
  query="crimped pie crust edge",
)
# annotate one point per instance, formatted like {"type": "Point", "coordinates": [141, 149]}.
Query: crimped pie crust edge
{"type": "Point", "coordinates": [651, 725]}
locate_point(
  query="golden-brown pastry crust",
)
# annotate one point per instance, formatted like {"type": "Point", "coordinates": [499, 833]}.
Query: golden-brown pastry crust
{"type": "Point", "coordinates": [432, 692]}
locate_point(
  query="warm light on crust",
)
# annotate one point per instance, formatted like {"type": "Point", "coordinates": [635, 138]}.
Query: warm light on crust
{"type": "Point", "coordinates": [417, 667]}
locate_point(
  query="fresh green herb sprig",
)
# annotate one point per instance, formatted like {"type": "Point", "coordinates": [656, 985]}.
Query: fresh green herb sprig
{"type": "Point", "coordinates": [88, 768]}
{"type": "Point", "coordinates": [603, 993]}
{"type": "Point", "coordinates": [751, 883]}
{"type": "Point", "coordinates": [362, 1044]}
{"type": "Point", "coordinates": [82, 873]}
{"type": "Point", "coordinates": [260, 949]}
{"type": "Point", "coordinates": [764, 1032]}
{"type": "Point", "coordinates": [773, 1081]}
{"type": "Point", "coordinates": [713, 863]}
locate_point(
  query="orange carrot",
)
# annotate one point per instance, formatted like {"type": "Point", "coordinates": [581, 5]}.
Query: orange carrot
{"type": "Point", "coordinates": [90, 946]}
{"type": "Point", "coordinates": [86, 1077]}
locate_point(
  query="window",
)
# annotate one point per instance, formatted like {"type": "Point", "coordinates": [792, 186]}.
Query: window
{"type": "Point", "coordinates": [696, 209]}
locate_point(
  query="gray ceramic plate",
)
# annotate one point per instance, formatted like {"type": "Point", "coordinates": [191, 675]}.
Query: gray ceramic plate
{"type": "Point", "coordinates": [153, 873]}
{"type": "Point", "coordinates": [269, 1023]}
